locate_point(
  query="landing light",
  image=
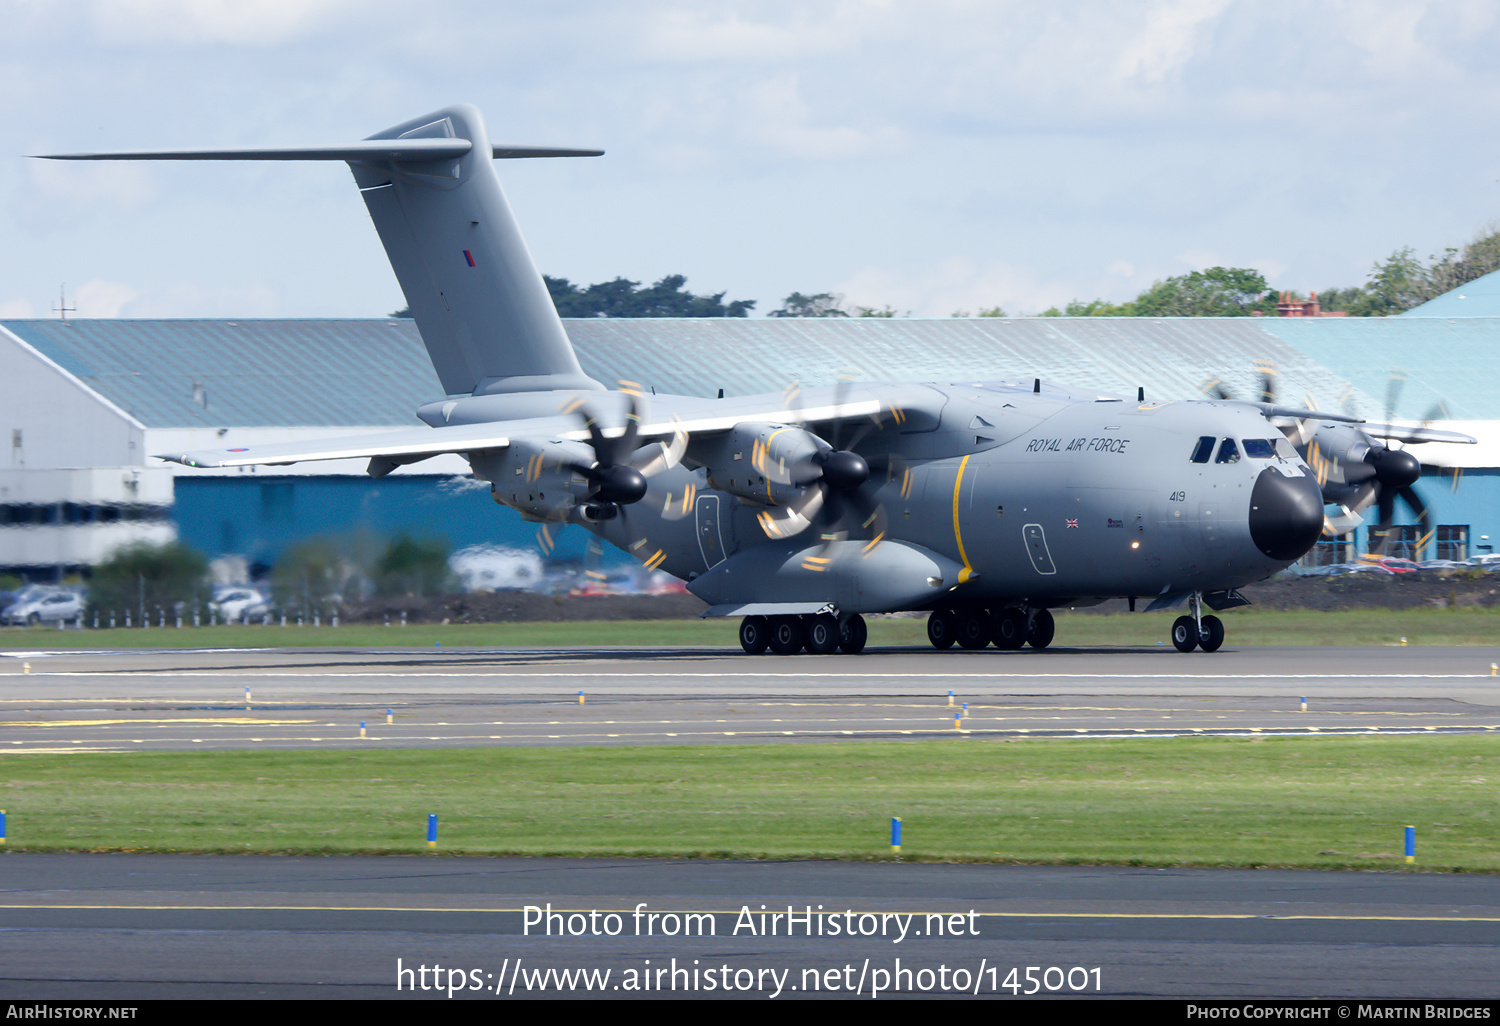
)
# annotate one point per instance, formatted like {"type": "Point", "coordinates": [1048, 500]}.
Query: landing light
{"type": "Point", "coordinates": [1135, 545]}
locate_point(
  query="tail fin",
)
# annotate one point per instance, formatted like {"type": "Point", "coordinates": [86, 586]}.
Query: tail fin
{"type": "Point", "coordinates": [431, 188]}
{"type": "Point", "coordinates": [482, 307]}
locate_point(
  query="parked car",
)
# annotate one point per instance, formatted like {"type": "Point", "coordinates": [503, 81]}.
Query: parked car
{"type": "Point", "coordinates": [240, 603]}
{"type": "Point", "coordinates": [48, 607]}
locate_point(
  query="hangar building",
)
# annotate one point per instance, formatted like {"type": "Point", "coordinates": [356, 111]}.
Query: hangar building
{"type": "Point", "coordinates": [89, 401]}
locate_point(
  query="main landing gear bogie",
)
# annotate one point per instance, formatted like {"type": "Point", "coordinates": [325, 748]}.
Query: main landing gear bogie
{"type": "Point", "coordinates": [1009, 628]}
{"type": "Point", "coordinates": [822, 634]}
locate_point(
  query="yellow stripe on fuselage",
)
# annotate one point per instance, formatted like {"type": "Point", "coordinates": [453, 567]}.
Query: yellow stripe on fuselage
{"type": "Point", "coordinates": [967, 571]}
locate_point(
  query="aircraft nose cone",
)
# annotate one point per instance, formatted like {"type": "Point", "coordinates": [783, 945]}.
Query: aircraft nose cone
{"type": "Point", "coordinates": [1394, 468]}
{"type": "Point", "coordinates": [1286, 514]}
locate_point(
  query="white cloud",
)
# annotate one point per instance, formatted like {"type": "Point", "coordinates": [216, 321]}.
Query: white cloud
{"type": "Point", "coordinates": [99, 298]}
{"type": "Point", "coordinates": [121, 185]}
{"type": "Point", "coordinates": [189, 299]}
{"type": "Point", "coordinates": [17, 309]}
{"type": "Point", "coordinates": [775, 115]}
{"type": "Point", "coordinates": [763, 34]}
{"type": "Point", "coordinates": [196, 22]}
{"type": "Point", "coordinates": [1167, 39]}
{"type": "Point", "coordinates": [955, 283]}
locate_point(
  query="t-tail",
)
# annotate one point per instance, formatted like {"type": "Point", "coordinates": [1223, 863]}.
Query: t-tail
{"type": "Point", "coordinates": [430, 184]}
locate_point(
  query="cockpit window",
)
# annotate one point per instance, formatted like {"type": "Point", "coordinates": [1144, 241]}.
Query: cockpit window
{"type": "Point", "coordinates": [1204, 450]}
{"type": "Point", "coordinates": [1228, 452]}
{"type": "Point", "coordinates": [1260, 448]}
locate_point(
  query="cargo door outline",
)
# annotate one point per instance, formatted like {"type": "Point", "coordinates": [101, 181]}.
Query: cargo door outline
{"type": "Point", "coordinates": [1036, 548]}
{"type": "Point", "coordinates": [710, 539]}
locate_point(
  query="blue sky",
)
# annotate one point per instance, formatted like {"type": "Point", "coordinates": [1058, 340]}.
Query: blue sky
{"type": "Point", "coordinates": [933, 156]}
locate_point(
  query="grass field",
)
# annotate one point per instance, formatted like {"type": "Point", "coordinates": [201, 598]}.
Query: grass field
{"type": "Point", "coordinates": [1294, 802]}
{"type": "Point", "coordinates": [1360, 627]}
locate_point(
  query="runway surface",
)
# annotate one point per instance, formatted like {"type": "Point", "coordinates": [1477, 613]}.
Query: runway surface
{"type": "Point", "coordinates": [170, 699]}
{"type": "Point", "coordinates": [131, 927]}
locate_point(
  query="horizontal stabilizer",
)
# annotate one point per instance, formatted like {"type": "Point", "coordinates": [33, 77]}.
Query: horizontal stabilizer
{"type": "Point", "coordinates": [430, 186]}
{"type": "Point", "coordinates": [378, 151]}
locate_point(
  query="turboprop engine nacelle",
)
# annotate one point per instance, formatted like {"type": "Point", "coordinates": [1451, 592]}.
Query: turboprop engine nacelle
{"type": "Point", "coordinates": [1346, 459]}
{"type": "Point", "coordinates": [769, 464]}
{"type": "Point", "coordinates": [537, 476]}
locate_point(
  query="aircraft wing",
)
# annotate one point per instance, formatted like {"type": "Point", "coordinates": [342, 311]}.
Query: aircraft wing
{"type": "Point", "coordinates": [394, 448]}
{"type": "Point", "coordinates": [1412, 434]}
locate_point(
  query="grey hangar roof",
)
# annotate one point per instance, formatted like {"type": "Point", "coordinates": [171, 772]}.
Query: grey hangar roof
{"type": "Point", "coordinates": [249, 373]}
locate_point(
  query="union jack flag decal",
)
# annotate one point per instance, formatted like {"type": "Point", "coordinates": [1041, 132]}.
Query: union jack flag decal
{"type": "Point", "coordinates": [1071, 523]}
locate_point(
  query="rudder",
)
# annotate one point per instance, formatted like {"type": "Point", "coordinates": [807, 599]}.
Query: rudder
{"type": "Point", "coordinates": [483, 310]}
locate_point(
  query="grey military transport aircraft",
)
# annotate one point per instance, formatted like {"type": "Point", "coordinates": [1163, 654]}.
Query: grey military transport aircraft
{"type": "Point", "coordinates": [985, 503]}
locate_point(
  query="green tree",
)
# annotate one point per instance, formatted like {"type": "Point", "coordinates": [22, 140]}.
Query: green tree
{"type": "Point", "coordinates": [1402, 281]}
{"type": "Point", "coordinates": [624, 298]}
{"type": "Point", "coordinates": [318, 574]}
{"type": "Point", "coordinates": [142, 578]}
{"type": "Point", "coordinates": [1479, 257]}
{"type": "Point", "coordinates": [1091, 308]}
{"type": "Point", "coordinates": [821, 304]}
{"type": "Point", "coordinates": [1398, 283]}
{"type": "Point", "coordinates": [414, 566]}
{"type": "Point", "coordinates": [1216, 292]}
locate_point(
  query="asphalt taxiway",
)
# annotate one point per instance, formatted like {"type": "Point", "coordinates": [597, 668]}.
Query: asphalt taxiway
{"type": "Point", "coordinates": [132, 927]}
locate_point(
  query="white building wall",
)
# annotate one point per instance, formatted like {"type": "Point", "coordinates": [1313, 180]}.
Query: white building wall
{"type": "Point", "coordinates": [50, 419]}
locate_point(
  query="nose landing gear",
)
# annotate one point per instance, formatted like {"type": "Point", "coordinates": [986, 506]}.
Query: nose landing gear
{"type": "Point", "coordinates": [1197, 630]}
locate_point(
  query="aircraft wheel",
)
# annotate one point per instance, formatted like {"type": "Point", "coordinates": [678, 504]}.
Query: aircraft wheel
{"type": "Point", "coordinates": [755, 634]}
{"type": "Point", "coordinates": [973, 629]}
{"type": "Point", "coordinates": [1010, 629]}
{"type": "Point", "coordinates": [1040, 627]}
{"type": "Point", "coordinates": [942, 629]}
{"type": "Point", "coordinates": [788, 634]}
{"type": "Point", "coordinates": [822, 634]}
{"type": "Point", "coordinates": [1184, 634]}
{"type": "Point", "coordinates": [1212, 634]}
{"type": "Point", "coordinates": [853, 634]}
{"type": "Point", "coordinates": [33, 620]}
